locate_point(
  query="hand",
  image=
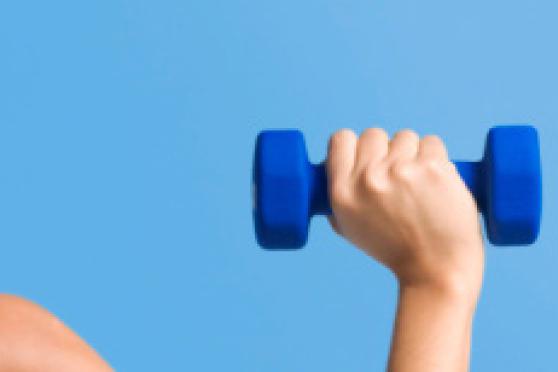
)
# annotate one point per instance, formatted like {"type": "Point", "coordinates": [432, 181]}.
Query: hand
{"type": "Point", "coordinates": [404, 203]}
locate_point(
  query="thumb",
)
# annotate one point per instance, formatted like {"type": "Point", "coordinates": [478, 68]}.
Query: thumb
{"type": "Point", "coordinates": [334, 224]}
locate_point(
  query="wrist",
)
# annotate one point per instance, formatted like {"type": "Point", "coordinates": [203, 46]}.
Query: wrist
{"type": "Point", "coordinates": [455, 277]}
{"type": "Point", "coordinates": [450, 292]}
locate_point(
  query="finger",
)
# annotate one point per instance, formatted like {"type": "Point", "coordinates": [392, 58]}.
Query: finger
{"type": "Point", "coordinates": [404, 145]}
{"type": "Point", "coordinates": [372, 147]}
{"type": "Point", "coordinates": [341, 154]}
{"type": "Point", "coordinates": [432, 147]}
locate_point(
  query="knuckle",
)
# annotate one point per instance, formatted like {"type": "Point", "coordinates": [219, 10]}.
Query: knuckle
{"type": "Point", "coordinates": [372, 180]}
{"type": "Point", "coordinates": [342, 136]}
{"type": "Point", "coordinates": [433, 139]}
{"type": "Point", "coordinates": [433, 167]}
{"type": "Point", "coordinates": [374, 132]}
{"type": "Point", "coordinates": [402, 171]}
{"type": "Point", "coordinates": [407, 134]}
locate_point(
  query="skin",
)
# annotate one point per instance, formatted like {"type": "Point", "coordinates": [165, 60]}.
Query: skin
{"type": "Point", "coordinates": [32, 339]}
{"type": "Point", "coordinates": [403, 202]}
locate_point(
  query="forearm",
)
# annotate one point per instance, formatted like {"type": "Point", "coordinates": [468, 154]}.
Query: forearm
{"type": "Point", "coordinates": [432, 330]}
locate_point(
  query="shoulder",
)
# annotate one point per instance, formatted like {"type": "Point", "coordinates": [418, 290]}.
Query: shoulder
{"type": "Point", "coordinates": [31, 339]}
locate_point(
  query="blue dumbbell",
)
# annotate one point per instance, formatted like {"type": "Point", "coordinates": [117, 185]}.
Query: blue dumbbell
{"type": "Point", "coordinates": [289, 190]}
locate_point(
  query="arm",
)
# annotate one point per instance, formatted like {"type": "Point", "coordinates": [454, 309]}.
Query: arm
{"type": "Point", "coordinates": [32, 339]}
{"type": "Point", "coordinates": [432, 331]}
{"type": "Point", "coordinates": [404, 203]}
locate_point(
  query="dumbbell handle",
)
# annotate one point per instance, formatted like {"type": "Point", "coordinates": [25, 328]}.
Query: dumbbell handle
{"type": "Point", "coordinates": [471, 173]}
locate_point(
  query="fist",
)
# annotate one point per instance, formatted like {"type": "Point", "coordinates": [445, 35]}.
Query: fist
{"type": "Point", "coordinates": [403, 202]}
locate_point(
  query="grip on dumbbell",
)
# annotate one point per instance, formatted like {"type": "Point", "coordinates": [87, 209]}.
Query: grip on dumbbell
{"type": "Point", "coordinates": [471, 173]}
{"type": "Point", "coordinates": [506, 184]}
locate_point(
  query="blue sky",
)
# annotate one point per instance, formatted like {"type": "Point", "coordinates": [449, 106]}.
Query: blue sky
{"type": "Point", "coordinates": [126, 139]}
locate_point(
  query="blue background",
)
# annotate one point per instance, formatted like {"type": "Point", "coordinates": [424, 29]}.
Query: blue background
{"type": "Point", "coordinates": [126, 139]}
